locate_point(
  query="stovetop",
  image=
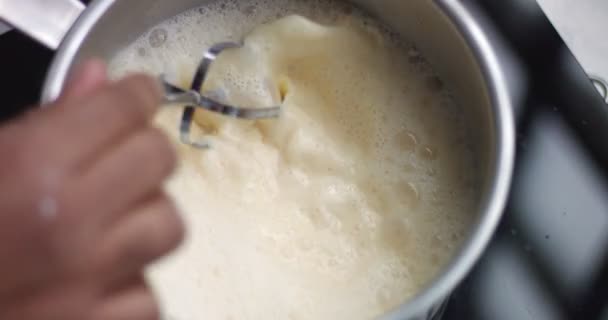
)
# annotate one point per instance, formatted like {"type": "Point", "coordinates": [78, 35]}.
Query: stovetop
{"type": "Point", "coordinates": [549, 258]}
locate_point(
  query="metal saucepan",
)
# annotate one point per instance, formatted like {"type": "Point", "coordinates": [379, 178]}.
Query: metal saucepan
{"type": "Point", "coordinates": [448, 32]}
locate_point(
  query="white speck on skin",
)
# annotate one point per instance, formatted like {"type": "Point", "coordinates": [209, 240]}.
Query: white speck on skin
{"type": "Point", "coordinates": [47, 208]}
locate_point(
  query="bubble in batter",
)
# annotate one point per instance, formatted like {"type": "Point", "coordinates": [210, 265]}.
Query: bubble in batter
{"type": "Point", "coordinates": [158, 37]}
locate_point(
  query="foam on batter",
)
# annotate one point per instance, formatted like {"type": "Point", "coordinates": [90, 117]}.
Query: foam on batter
{"type": "Point", "coordinates": [347, 205]}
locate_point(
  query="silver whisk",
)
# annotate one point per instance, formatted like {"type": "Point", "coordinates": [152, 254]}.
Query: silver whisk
{"type": "Point", "coordinates": [194, 99]}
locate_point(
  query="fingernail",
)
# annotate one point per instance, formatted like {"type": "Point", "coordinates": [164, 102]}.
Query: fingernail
{"type": "Point", "coordinates": [93, 66]}
{"type": "Point", "coordinates": [77, 72]}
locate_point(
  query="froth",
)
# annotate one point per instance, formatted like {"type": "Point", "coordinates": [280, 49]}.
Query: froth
{"type": "Point", "coordinates": [342, 209]}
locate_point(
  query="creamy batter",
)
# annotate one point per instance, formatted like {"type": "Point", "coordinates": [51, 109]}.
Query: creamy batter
{"type": "Point", "coordinates": [343, 208]}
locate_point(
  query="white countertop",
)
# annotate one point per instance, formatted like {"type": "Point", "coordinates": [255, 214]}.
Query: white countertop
{"type": "Point", "coordinates": [583, 24]}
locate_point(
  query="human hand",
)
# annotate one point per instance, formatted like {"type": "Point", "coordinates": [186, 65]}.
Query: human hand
{"type": "Point", "coordinates": [82, 210]}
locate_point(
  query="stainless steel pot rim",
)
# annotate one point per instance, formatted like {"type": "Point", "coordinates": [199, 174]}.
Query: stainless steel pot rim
{"type": "Point", "coordinates": [494, 202]}
{"type": "Point", "coordinates": [58, 71]}
{"type": "Point", "coordinates": [492, 205]}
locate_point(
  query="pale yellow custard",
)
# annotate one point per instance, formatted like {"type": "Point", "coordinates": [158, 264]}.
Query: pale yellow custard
{"type": "Point", "coordinates": [344, 207]}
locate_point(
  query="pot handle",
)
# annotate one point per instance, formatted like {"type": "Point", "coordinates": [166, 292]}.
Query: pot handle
{"type": "Point", "coordinates": [47, 21]}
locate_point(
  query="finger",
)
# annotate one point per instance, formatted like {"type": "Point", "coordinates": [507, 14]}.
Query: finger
{"type": "Point", "coordinates": [126, 175]}
{"type": "Point", "coordinates": [136, 278]}
{"type": "Point", "coordinates": [31, 131]}
{"type": "Point", "coordinates": [146, 234]}
{"type": "Point", "coordinates": [86, 79]}
{"type": "Point", "coordinates": [79, 130]}
{"type": "Point", "coordinates": [134, 303]}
